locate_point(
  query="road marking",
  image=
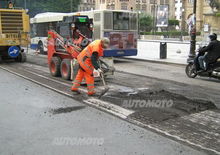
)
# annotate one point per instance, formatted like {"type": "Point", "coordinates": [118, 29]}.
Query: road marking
{"type": "Point", "coordinates": [123, 115]}
{"type": "Point", "coordinates": [112, 108]}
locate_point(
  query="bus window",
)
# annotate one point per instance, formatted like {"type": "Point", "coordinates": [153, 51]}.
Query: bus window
{"type": "Point", "coordinates": [33, 30]}
{"type": "Point", "coordinates": [41, 29]}
{"type": "Point", "coordinates": [97, 17]}
{"type": "Point", "coordinates": [108, 20]}
{"type": "Point", "coordinates": [133, 21]}
{"type": "Point", "coordinates": [120, 21]}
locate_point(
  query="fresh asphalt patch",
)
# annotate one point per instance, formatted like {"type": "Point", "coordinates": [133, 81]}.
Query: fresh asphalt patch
{"type": "Point", "coordinates": [153, 106]}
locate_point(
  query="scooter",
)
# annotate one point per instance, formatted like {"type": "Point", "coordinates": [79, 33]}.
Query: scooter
{"type": "Point", "coordinates": [213, 69]}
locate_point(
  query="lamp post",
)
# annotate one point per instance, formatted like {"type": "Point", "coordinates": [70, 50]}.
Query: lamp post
{"type": "Point", "coordinates": [154, 17]}
{"type": "Point", "coordinates": [193, 34]}
{"type": "Point", "coordinates": [182, 23]}
{"type": "Point", "coordinates": [71, 5]}
{"type": "Point", "coordinates": [25, 4]}
{"type": "Point", "coordinates": [139, 25]}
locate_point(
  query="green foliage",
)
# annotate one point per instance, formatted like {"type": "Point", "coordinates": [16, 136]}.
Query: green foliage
{"type": "Point", "coordinates": [217, 14]}
{"type": "Point", "coordinates": [39, 6]}
{"type": "Point", "coordinates": [146, 22]}
{"type": "Point", "coordinates": [173, 22]}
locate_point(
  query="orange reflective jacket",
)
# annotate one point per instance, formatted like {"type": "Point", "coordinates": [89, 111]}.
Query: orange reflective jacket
{"type": "Point", "coordinates": [84, 58]}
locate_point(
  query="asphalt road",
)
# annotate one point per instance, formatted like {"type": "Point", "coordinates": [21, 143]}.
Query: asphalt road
{"type": "Point", "coordinates": [35, 120]}
{"type": "Point", "coordinates": [200, 87]}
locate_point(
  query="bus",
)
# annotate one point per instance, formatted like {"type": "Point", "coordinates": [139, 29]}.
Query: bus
{"type": "Point", "coordinates": [40, 25]}
{"type": "Point", "coordinates": [120, 26]}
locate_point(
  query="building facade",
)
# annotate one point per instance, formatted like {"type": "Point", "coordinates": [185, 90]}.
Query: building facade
{"type": "Point", "coordinates": [145, 6]}
{"type": "Point", "coordinates": [206, 18]}
{"type": "Point", "coordinates": [86, 5]}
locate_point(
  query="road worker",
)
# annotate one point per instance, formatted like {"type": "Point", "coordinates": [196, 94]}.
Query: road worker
{"type": "Point", "coordinates": [88, 61]}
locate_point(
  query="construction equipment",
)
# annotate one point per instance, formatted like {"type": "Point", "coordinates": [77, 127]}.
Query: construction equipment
{"type": "Point", "coordinates": [14, 32]}
{"type": "Point", "coordinates": [64, 48]}
{"type": "Point", "coordinates": [65, 44]}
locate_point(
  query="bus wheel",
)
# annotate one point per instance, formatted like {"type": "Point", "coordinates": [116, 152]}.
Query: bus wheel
{"type": "Point", "coordinates": [65, 69]}
{"type": "Point", "coordinates": [22, 57]}
{"type": "Point", "coordinates": [40, 47]}
{"type": "Point", "coordinates": [55, 66]}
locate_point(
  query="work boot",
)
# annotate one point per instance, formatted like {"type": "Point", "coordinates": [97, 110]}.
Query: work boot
{"type": "Point", "coordinates": [91, 94]}
{"type": "Point", "coordinates": [75, 91]}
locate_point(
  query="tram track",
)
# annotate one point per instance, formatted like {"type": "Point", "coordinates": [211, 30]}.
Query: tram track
{"type": "Point", "coordinates": [42, 77]}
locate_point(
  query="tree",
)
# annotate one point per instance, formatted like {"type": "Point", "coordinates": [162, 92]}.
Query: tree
{"type": "Point", "coordinates": [40, 6]}
{"type": "Point", "coordinates": [146, 23]}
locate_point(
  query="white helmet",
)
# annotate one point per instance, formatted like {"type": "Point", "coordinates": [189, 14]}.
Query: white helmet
{"type": "Point", "coordinates": [105, 42]}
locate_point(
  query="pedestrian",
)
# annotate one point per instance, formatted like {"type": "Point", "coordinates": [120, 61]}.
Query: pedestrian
{"type": "Point", "coordinates": [88, 61]}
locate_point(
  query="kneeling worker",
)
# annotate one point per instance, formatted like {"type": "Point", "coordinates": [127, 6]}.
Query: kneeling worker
{"type": "Point", "coordinates": [88, 61]}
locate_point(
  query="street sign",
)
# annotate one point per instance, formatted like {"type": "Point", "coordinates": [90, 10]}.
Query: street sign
{"type": "Point", "coordinates": [13, 51]}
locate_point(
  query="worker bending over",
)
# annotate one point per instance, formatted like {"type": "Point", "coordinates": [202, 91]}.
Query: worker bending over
{"type": "Point", "coordinates": [88, 61]}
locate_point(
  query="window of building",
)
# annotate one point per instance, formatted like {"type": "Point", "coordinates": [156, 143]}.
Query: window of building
{"type": "Point", "coordinates": [152, 9]}
{"type": "Point", "coordinates": [144, 7]}
{"type": "Point", "coordinates": [124, 6]}
{"type": "Point", "coordinates": [153, 2]}
{"type": "Point", "coordinates": [164, 2]}
{"type": "Point", "coordinates": [138, 6]}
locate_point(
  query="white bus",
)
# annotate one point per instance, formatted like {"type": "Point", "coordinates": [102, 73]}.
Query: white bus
{"type": "Point", "coordinates": [40, 25]}
{"type": "Point", "coordinates": [120, 26]}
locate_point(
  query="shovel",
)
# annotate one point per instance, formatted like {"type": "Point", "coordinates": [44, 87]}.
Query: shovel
{"type": "Point", "coordinates": [106, 88]}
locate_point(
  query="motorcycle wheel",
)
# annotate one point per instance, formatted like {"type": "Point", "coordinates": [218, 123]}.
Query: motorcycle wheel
{"type": "Point", "coordinates": [190, 70]}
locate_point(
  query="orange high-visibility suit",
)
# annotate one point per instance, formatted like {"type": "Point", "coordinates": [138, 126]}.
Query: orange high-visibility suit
{"type": "Point", "coordinates": [86, 66]}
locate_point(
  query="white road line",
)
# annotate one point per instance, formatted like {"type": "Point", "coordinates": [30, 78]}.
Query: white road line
{"type": "Point", "coordinates": [112, 108]}
{"type": "Point", "coordinates": [122, 115]}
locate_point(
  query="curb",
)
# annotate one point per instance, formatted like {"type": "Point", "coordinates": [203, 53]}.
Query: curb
{"type": "Point", "coordinates": [153, 61]}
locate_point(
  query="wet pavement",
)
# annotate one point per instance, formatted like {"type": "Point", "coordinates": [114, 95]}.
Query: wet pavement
{"type": "Point", "coordinates": [36, 120]}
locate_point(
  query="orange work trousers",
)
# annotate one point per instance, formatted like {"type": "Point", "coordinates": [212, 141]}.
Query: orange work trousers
{"type": "Point", "coordinates": [89, 81]}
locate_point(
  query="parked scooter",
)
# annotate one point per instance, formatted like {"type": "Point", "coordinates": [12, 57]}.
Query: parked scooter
{"type": "Point", "coordinates": [213, 69]}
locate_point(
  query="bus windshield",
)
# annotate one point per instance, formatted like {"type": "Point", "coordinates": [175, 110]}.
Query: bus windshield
{"type": "Point", "coordinates": [120, 21]}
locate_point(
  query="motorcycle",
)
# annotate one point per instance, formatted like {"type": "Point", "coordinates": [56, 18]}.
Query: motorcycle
{"type": "Point", "coordinates": [213, 69]}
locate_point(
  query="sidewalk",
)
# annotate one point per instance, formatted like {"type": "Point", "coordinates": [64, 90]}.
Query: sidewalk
{"type": "Point", "coordinates": [178, 61]}
{"type": "Point", "coordinates": [177, 52]}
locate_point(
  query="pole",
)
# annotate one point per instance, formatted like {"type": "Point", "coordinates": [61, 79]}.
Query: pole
{"type": "Point", "coordinates": [71, 5]}
{"type": "Point", "coordinates": [182, 23]}
{"type": "Point", "coordinates": [25, 4]}
{"type": "Point", "coordinates": [193, 35]}
{"type": "Point", "coordinates": [154, 18]}
{"type": "Point", "coordinates": [139, 37]}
